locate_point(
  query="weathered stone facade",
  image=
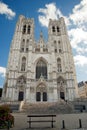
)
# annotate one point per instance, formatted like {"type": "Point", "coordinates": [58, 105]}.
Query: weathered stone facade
{"type": "Point", "coordinates": [82, 89]}
{"type": "Point", "coordinates": [40, 71]}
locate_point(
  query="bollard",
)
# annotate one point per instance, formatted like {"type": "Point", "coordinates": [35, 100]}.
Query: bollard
{"type": "Point", "coordinates": [80, 123]}
{"type": "Point", "coordinates": [63, 124]}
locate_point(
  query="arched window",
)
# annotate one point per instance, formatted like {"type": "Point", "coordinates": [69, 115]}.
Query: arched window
{"type": "Point", "coordinates": [59, 65]}
{"type": "Point", "coordinates": [29, 29]}
{"type": "Point", "coordinates": [27, 43]}
{"type": "Point", "coordinates": [53, 28]}
{"type": "Point", "coordinates": [24, 29]}
{"type": "Point", "coordinates": [58, 29]}
{"type": "Point", "coordinates": [55, 46]}
{"type": "Point", "coordinates": [59, 45]}
{"type": "Point", "coordinates": [54, 41]}
{"type": "Point", "coordinates": [41, 69]}
{"type": "Point", "coordinates": [22, 45]}
{"type": "Point", "coordinates": [23, 64]}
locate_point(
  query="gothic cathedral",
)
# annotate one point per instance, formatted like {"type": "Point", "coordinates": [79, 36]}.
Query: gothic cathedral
{"type": "Point", "coordinates": [40, 71]}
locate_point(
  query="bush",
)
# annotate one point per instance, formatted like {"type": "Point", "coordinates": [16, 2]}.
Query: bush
{"type": "Point", "coordinates": [4, 109]}
{"type": "Point", "coordinates": [5, 117]}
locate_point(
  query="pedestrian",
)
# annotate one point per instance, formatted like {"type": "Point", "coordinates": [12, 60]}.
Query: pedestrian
{"type": "Point", "coordinates": [8, 124]}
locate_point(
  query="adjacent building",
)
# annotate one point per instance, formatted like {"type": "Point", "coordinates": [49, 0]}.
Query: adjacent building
{"type": "Point", "coordinates": [82, 89]}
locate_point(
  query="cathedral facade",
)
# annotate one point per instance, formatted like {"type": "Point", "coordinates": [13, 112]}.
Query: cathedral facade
{"type": "Point", "coordinates": [40, 71]}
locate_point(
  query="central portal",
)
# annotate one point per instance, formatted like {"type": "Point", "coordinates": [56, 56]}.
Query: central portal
{"type": "Point", "coordinates": [41, 96]}
{"type": "Point", "coordinates": [41, 93]}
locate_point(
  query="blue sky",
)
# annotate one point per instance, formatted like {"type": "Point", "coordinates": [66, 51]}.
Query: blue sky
{"type": "Point", "coordinates": [74, 12]}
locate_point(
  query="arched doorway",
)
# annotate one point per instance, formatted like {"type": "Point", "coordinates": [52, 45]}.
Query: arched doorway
{"type": "Point", "coordinates": [38, 96]}
{"type": "Point", "coordinates": [21, 96]}
{"type": "Point", "coordinates": [21, 82]}
{"type": "Point", "coordinates": [41, 93]}
{"type": "Point", "coordinates": [61, 87]}
{"type": "Point", "coordinates": [44, 96]}
{"type": "Point", "coordinates": [62, 95]}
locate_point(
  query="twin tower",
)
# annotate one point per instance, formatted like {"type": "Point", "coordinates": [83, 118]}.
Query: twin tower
{"type": "Point", "coordinates": [40, 71]}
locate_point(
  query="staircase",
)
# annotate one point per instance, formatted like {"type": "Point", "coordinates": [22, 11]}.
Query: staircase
{"type": "Point", "coordinates": [14, 107]}
{"type": "Point", "coordinates": [48, 108]}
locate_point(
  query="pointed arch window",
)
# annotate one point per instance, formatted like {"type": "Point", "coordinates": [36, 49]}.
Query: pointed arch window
{"type": "Point", "coordinates": [59, 67]}
{"type": "Point", "coordinates": [23, 64]}
{"type": "Point", "coordinates": [28, 29]}
{"type": "Point", "coordinates": [27, 43]}
{"type": "Point", "coordinates": [55, 46]}
{"type": "Point", "coordinates": [58, 29]}
{"type": "Point", "coordinates": [59, 45]}
{"type": "Point", "coordinates": [22, 45]}
{"type": "Point", "coordinates": [53, 28]}
{"type": "Point", "coordinates": [24, 29]}
{"type": "Point", "coordinates": [41, 69]}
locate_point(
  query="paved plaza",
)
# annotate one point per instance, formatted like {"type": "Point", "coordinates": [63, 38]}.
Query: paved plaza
{"type": "Point", "coordinates": [21, 123]}
{"type": "Point", "coordinates": [71, 122]}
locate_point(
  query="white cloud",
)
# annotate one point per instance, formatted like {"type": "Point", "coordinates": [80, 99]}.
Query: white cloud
{"type": "Point", "coordinates": [81, 50]}
{"type": "Point", "coordinates": [77, 36]}
{"type": "Point", "coordinates": [4, 9]}
{"type": "Point", "coordinates": [79, 13]}
{"type": "Point", "coordinates": [80, 60]}
{"type": "Point", "coordinates": [2, 71]}
{"type": "Point", "coordinates": [77, 28]}
{"type": "Point", "coordinates": [78, 32]}
{"type": "Point", "coordinates": [49, 12]}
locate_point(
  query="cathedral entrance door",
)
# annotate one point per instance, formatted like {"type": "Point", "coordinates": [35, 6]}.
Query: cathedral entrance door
{"type": "Point", "coordinates": [44, 96]}
{"type": "Point", "coordinates": [41, 93]}
{"type": "Point", "coordinates": [21, 96]}
{"type": "Point", "coordinates": [38, 96]}
{"type": "Point", "coordinates": [62, 95]}
{"type": "Point", "coordinates": [41, 96]}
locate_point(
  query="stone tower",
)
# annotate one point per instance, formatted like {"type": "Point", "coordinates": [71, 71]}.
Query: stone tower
{"type": "Point", "coordinates": [40, 71]}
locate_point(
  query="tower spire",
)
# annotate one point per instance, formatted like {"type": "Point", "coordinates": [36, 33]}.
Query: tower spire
{"type": "Point", "coordinates": [41, 34]}
{"type": "Point", "coordinates": [41, 40]}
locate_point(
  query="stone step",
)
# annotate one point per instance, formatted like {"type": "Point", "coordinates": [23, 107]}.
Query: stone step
{"type": "Point", "coordinates": [57, 107]}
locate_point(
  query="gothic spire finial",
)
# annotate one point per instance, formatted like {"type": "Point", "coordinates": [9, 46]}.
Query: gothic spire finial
{"type": "Point", "coordinates": [41, 40]}
{"type": "Point", "coordinates": [41, 34]}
